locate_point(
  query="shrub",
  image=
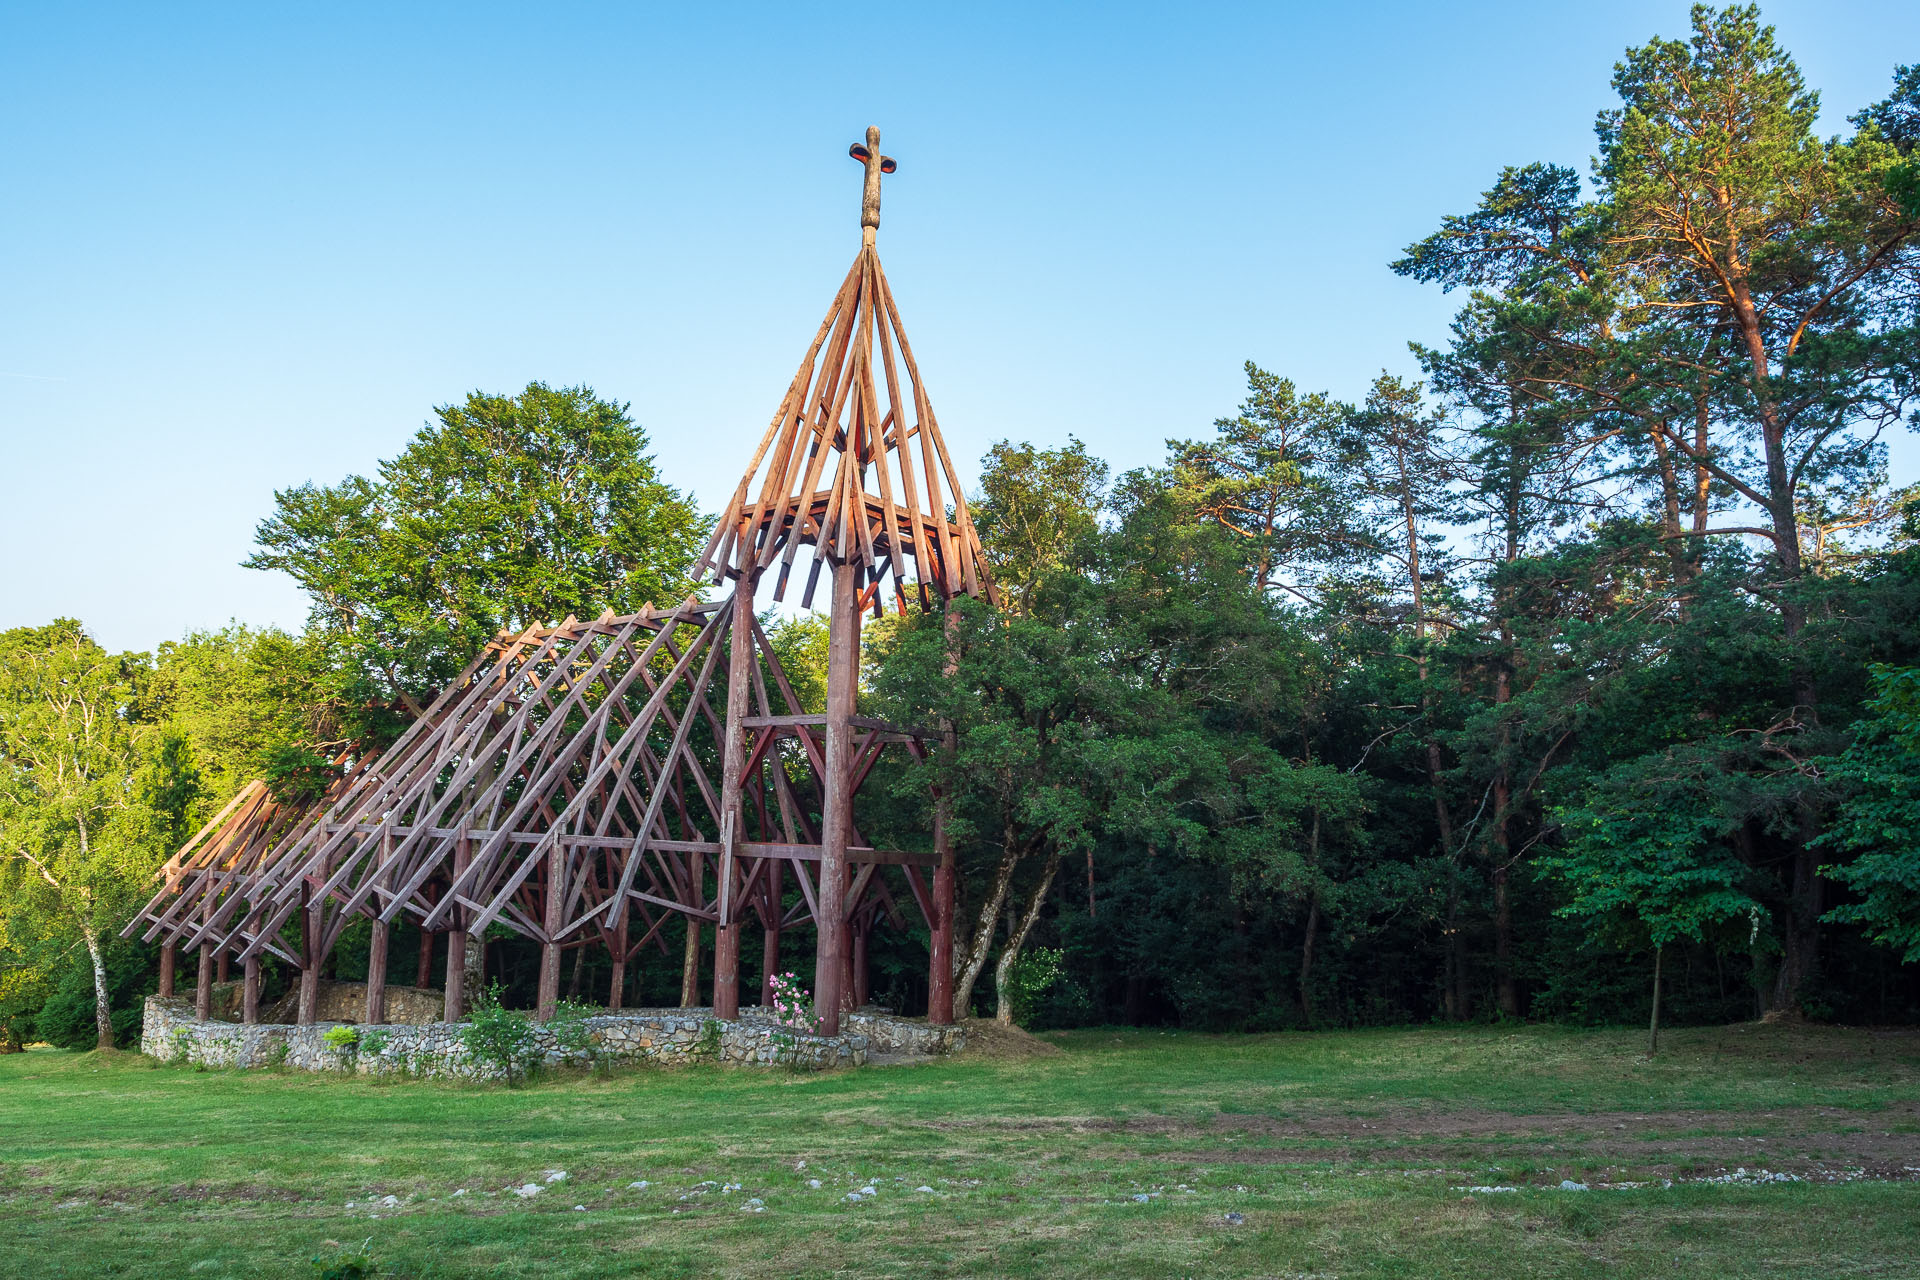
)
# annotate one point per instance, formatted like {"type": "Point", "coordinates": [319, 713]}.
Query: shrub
{"type": "Point", "coordinates": [343, 1039]}
{"type": "Point", "coordinates": [1032, 973]}
{"type": "Point", "coordinates": [497, 1037]}
{"type": "Point", "coordinates": [792, 1006]}
{"type": "Point", "coordinates": [357, 1265]}
{"type": "Point", "coordinates": [793, 1011]}
{"type": "Point", "coordinates": [571, 1033]}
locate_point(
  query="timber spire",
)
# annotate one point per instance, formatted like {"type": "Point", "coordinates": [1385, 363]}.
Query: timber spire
{"type": "Point", "coordinates": [853, 464]}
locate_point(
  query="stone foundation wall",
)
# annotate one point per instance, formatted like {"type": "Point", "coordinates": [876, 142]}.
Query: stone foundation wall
{"type": "Point", "coordinates": [667, 1037]}
{"type": "Point", "coordinates": [347, 1002]}
{"type": "Point", "coordinates": [888, 1034]}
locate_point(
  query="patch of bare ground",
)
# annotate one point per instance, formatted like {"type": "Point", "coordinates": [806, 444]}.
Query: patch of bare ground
{"type": "Point", "coordinates": [1810, 1141]}
{"type": "Point", "coordinates": [989, 1039]}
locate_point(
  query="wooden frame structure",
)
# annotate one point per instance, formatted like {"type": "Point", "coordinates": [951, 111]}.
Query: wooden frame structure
{"type": "Point", "coordinates": [583, 783]}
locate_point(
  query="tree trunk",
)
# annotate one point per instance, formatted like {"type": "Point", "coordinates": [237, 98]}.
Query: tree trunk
{"type": "Point", "coordinates": [1010, 953]}
{"type": "Point", "coordinates": [1313, 923]}
{"type": "Point", "coordinates": [1306, 962]}
{"type": "Point", "coordinates": [1653, 1026]}
{"type": "Point", "coordinates": [102, 1005]}
{"type": "Point", "coordinates": [1506, 992]}
{"type": "Point", "coordinates": [1455, 994]}
{"type": "Point", "coordinates": [1800, 932]}
{"type": "Point", "coordinates": [1679, 548]}
{"type": "Point", "coordinates": [982, 943]}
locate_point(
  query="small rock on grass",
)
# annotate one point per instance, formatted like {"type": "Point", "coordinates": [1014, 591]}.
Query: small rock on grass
{"type": "Point", "coordinates": [1235, 1219]}
{"type": "Point", "coordinates": [1568, 1184]}
{"type": "Point", "coordinates": [556, 1175]}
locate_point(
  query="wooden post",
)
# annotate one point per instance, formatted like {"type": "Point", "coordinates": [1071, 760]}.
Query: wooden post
{"type": "Point", "coordinates": [167, 954]}
{"type": "Point", "coordinates": [843, 674]}
{"type": "Point", "coordinates": [220, 972]}
{"type": "Point", "coordinates": [549, 998]}
{"type": "Point", "coordinates": [770, 939]}
{"type": "Point", "coordinates": [456, 984]}
{"type": "Point", "coordinates": [376, 1010]}
{"type": "Point", "coordinates": [455, 1000]}
{"type": "Point", "coordinates": [423, 970]}
{"type": "Point", "coordinates": [690, 962]}
{"type": "Point", "coordinates": [617, 988]}
{"type": "Point", "coordinates": [250, 991]}
{"type": "Point", "coordinates": [311, 922]}
{"type": "Point", "coordinates": [726, 936]}
{"type": "Point", "coordinates": [203, 987]}
{"type": "Point", "coordinates": [940, 1008]}
{"type": "Point", "coordinates": [862, 979]}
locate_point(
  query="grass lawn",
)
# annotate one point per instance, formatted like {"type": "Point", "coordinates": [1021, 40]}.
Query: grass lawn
{"type": "Point", "coordinates": [1340, 1154]}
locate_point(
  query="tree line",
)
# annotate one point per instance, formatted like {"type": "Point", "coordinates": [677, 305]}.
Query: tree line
{"type": "Point", "coordinates": [1586, 657]}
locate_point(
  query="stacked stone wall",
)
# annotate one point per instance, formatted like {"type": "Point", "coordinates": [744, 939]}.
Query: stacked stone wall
{"type": "Point", "coordinates": [664, 1037]}
{"type": "Point", "coordinates": [347, 1002]}
{"type": "Point", "coordinates": [912, 1036]}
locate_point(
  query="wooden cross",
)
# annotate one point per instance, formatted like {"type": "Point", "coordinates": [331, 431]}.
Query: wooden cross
{"type": "Point", "coordinates": [877, 164]}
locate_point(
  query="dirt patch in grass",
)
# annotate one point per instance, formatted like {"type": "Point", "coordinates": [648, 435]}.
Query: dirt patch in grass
{"type": "Point", "coordinates": [1810, 1141]}
{"type": "Point", "coordinates": [988, 1039]}
{"type": "Point", "coordinates": [1815, 1142]}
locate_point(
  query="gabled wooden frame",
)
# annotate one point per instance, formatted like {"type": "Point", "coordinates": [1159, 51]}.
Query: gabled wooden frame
{"type": "Point", "coordinates": [577, 779]}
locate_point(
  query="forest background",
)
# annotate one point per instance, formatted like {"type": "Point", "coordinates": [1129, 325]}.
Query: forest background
{"type": "Point", "coordinates": [1584, 664]}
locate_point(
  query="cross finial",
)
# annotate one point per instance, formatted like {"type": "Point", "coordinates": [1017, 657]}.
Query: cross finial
{"type": "Point", "coordinates": [877, 164]}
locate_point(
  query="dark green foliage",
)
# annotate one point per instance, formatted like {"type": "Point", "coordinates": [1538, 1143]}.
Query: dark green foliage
{"type": "Point", "coordinates": [66, 1018]}
{"type": "Point", "coordinates": [1879, 818]}
{"type": "Point", "coordinates": [506, 511]}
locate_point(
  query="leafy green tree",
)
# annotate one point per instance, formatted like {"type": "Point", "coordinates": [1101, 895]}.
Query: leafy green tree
{"type": "Point", "coordinates": [1268, 477]}
{"type": "Point", "coordinates": [78, 834]}
{"type": "Point", "coordinates": [1647, 853]}
{"type": "Point", "coordinates": [1034, 505]}
{"type": "Point", "coordinates": [241, 704]}
{"type": "Point", "coordinates": [1879, 819]}
{"type": "Point", "coordinates": [1726, 325]}
{"type": "Point", "coordinates": [505, 512]}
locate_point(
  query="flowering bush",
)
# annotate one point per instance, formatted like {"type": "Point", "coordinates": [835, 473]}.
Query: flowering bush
{"type": "Point", "coordinates": [792, 1006]}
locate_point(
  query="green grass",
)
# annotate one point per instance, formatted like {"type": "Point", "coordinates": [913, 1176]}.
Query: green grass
{"type": "Point", "coordinates": [1343, 1153]}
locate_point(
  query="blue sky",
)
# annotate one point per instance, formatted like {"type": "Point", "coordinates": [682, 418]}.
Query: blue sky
{"type": "Point", "coordinates": [246, 247]}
